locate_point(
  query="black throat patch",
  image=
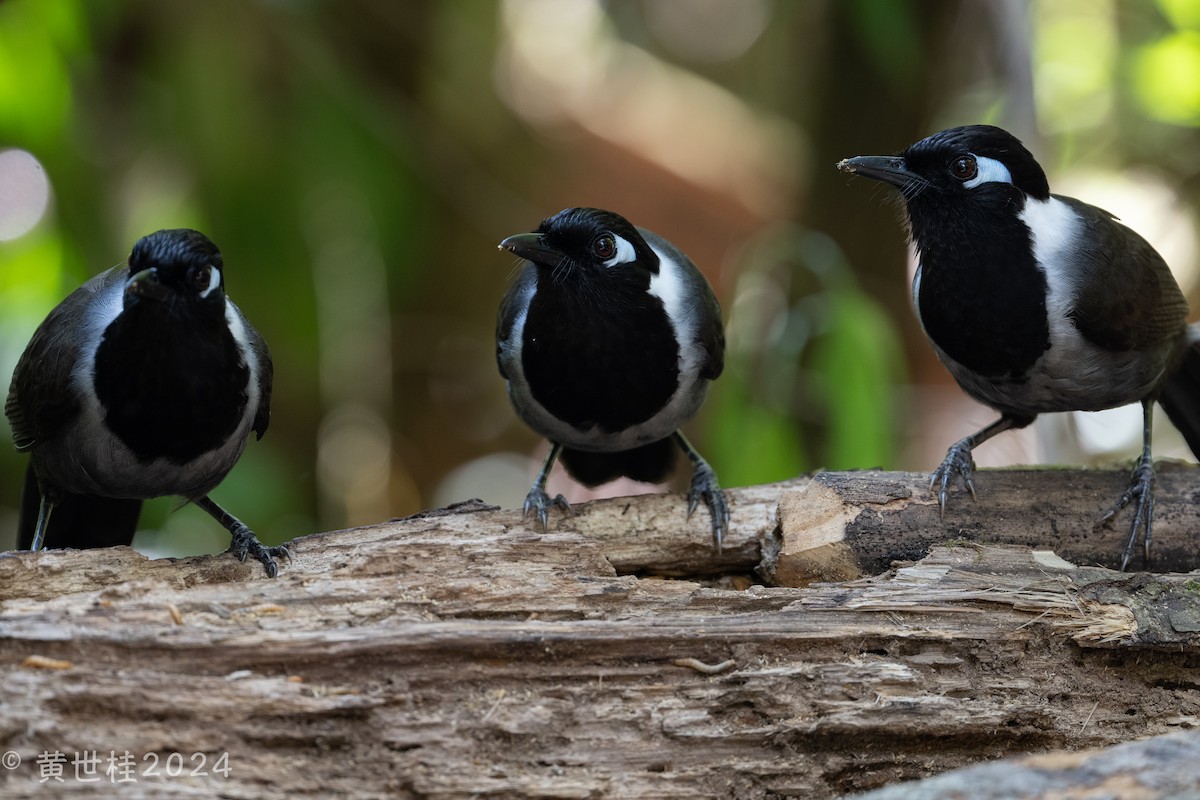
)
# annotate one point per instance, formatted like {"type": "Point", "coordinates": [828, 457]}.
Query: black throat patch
{"type": "Point", "coordinates": [982, 298]}
{"type": "Point", "coordinates": [603, 357]}
{"type": "Point", "coordinates": [172, 382]}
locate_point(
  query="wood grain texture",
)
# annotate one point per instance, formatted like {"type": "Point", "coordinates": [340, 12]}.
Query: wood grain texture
{"type": "Point", "coordinates": [466, 653]}
{"type": "Point", "coordinates": [1160, 767]}
{"type": "Point", "coordinates": [844, 524]}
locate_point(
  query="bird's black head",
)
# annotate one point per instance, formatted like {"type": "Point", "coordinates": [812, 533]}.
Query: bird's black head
{"type": "Point", "coordinates": [973, 164]}
{"type": "Point", "coordinates": [585, 243]}
{"type": "Point", "coordinates": [980, 293]}
{"type": "Point", "coordinates": [178, 266]}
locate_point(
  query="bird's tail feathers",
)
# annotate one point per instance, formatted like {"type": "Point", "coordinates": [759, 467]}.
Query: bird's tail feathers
{"type": "Point", "coordinates": [650, 463]}
{"type": "Point", "coordinates": [1180, 396]}
{"type": "Point", "coordinates": [77, 521]}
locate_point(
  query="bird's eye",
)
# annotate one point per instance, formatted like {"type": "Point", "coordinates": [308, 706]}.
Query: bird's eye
{"type": "Point", "coordinates": [604, 247]}
{"type": "Point", "coordinates": [964, 167]}
{"type": "Point", "coordinates": [200, 278]}
{"type": "Point", "coordinates": [205, 279]}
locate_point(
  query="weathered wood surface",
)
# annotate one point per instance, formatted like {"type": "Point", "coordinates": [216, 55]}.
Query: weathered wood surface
{"type": "Point", "coordinates": [470, 654]}
{"type": "Point", "coordinates": [843, 524]}
{"type": "Point", "coordinates": [1165, 766]}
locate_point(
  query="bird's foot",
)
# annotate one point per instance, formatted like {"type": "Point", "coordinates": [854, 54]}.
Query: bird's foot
{"type": "Point", "coordinates": [245, 543]}
{"type": "Point", "coordinates": [706, 488]}
{"type": "Point", "coordinates": [1141, 494]}
{"type": "Point", "coordinates": [540, 504]}
{"type": "Point", "coordinates": [957, 463]}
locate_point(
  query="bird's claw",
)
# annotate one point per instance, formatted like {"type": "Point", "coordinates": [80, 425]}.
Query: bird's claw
{"type": "Point", "coordinates": [705, 487]}
{"type": "Point", "coordinates": [1140, 492]}
{"type": "Point", "coordinates": [540, 503]}
{"type": "Point", "coordinates": [244, 543]}
{"type": "Point", "coordinates": [957, 463]}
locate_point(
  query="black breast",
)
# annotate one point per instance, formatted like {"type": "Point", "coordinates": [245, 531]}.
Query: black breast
{"type": "Point", "coordinates": [982, 298]}
{"type": "Point", "coordinates": [605, 359]}
{"type": "Point", "coordinates": [173, 391]}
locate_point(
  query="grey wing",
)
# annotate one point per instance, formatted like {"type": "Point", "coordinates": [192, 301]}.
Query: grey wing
{"type": "Point", "coordinates": [40, 398]}
{"type": "Point", "coordinates": [513, 308]}
{"type": "Point", "coordinates": [711, 329]}
{"type": "Point", "coordinates": [1135, 303]}
{"type": "Point", "coordinates": [266, 376]}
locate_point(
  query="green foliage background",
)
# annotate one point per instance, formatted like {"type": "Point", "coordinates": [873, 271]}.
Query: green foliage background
{"type": "Point", "coordinates": [357, 163]}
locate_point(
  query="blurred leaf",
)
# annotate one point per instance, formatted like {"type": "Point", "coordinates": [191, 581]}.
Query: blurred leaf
{"type": "Point", "coordinates": [1181, 13]}
{"type": "Point", "coordinates": [1165, 81]}
{"type": "Point", "coordinates": [810, 383]}
{"type": "Point", "coordinates": [35, 86]}
{"type": "Point", "coordinates": [30, 280]}
{"type": "Point", "coordinates": [890, 36]}
{"type": "Point", "coordinates": [1075, 49]}
{"type": "Point", "coordinates": [747, 442]}
{"type": "Point", "coordinates": [859, 363]}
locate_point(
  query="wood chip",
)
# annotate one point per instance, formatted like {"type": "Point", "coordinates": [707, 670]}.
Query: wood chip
{"type": "Point", "coordinates": [42, 662]}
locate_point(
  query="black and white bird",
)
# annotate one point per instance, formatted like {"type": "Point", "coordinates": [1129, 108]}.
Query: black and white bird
{"type": "Point", "coordinates": [145, 381]}
{"type": "Point", "coordinates": [1037, 302]}
{"type": "Point", "coordinates": [609, 338]}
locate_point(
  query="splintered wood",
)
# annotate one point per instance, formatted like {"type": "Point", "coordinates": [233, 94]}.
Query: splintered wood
{"type": "Point", "coordinates": [839, 525]}
{"type": "Point", "coordinates": [467, 653]}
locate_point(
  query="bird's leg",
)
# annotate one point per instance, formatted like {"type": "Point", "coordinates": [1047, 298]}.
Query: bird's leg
{"type": "Point", "coordinates": [959, 461]}
{"type": "Point", "coordinates": [705, 486]}
{"type": "Point", "coordinates": [243, 541]}
{"type": "Point", "coordinates": [1141, 490]}
{"type": "Point", "coordinates": [45, 507]}
{"type": "Point", "coordinates": [537, 500]}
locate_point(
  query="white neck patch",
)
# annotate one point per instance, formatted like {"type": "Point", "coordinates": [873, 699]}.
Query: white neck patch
{"type": "Point", "coordinates": [670, 286]}
{"type": "Point", "coordinates": [625, 252]}
{"type": "Point", "coordinates": [990, 171]}
{"type": "Point", "coordinates": [1053, 225]}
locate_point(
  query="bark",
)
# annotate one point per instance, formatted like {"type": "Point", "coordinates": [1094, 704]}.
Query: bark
{"type": "Point", "coordinates": [465, 652]}
{"type": "Point", "coordinates": [1164, 766]}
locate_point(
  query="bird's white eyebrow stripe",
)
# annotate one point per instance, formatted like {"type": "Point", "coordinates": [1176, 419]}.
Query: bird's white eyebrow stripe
{"type": "Point", "coordinates": [625, 252]}
{"type": "Point", "coordinates": [990, 171]}
{"type": "Point", "coordinates": [214, 280]}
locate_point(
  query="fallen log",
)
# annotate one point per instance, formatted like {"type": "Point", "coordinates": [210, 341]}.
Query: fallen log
{"type": "Point", "coordinates": [465, 652]}
{"type": "Point", "coordinates": [840, 525]}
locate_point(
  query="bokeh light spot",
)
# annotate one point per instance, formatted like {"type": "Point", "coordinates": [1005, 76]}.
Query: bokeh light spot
{"type": "Point", "coordinates": [26, 193]}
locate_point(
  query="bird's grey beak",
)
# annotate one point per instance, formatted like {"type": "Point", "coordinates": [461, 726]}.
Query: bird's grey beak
{"type": "Point", "coordinates": [533, 247]}
{"type": "Point", "coordinates": [147, 284]}
{"type": "Point", "coordinates": [889, 169]}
